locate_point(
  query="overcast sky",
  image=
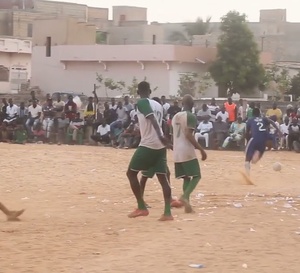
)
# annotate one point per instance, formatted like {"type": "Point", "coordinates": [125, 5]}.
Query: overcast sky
{"type": "Point", "coordinates": [189, 10]}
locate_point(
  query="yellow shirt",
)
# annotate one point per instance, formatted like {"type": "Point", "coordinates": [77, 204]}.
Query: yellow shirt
{"type": "Point", "coordinates": [275, 112]}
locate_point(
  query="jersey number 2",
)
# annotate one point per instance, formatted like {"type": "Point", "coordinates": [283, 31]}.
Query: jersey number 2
{"type": "Point", "coordinates": [261, 126]}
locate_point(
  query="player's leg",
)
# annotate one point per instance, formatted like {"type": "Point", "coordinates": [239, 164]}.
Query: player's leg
{"type": "Point", "coordinates": [141, 160]}
{"type": "Point", "coordinates": [192, 170]}
{"type": "Point", "coordinates": [144, 178]}
{"type": "Point", "coordinates": [11, 215]}
{"type": "Point", "coordinates": [160, 169]}
{"type": "Point", "coordinates": [249, 151]}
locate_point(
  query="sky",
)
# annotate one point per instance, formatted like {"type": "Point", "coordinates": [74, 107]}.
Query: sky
{"type": "Point", "coordinates": [188, 10]}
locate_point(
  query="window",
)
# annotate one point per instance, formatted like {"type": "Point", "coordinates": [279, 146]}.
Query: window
{"type": "Point", "coordinates": [122, 18]}
{"type": "Point", "coordinates": [4, 74]}
{"type": "Point", "coordinates": [48, 47]}
{"type": "Point", "coordinates": [29, 30]}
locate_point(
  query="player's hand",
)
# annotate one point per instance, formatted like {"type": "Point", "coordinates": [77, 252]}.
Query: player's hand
{"type": "Point", "coordinates": [203, 155]}
{"type": "Point", "coordinates": [165, 142]}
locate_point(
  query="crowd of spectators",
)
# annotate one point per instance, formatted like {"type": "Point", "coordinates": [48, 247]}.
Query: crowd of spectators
{"type": "Point", "coordinates": [219, 126]}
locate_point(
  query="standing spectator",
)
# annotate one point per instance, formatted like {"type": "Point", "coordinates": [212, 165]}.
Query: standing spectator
{"type": "Point", "coordinates": [34, 114]}
{"type": "Point", "coordinates": [241, 110]}
{"type": "Point", "coordinates": [174, 109]}
{"type": "Point", "coordinates": [231, 109]}
{"type": "Point", "coordinates": [48, 121]}
{"type": "Point", "coordinates": [274, 111]}
{"type": "Point", "coordinates": [22, 112]}
{"type": "Point", "coordinates": [204, 113]}
{"type": "Point", "coordinates": [11, 112]}
{"type": "Point", "coordinates": [249, 111]}
{"type": "Point", "coordinates": [273, 133]}
{"type": "Point", "coordinates": [203, 131]}
{"type": "Point", "coordinates": [113, 104]}
{"type": "Point", "coordinates": [76, 126]}
{"type": "Point", "coordinates": [294, 133]}
{"type": "Point", "coordinates": [236, 133]}
{"type": "Point", "coordinates": [70, 108]}
{"type": "Point", "coordinates": [89, 112]}
{"type": "Point", "coordinates": [284, 128]}
{"type": "Point", "coordinates": [166, 106]}
{"type": "Point", "coordinates": [58, 106]}
{"type": "Point", "coordinates": [214, 109]}
{"type": "Point", "coordinates": [121, 119]}
{"type": "Point", "coordinates": [103, 133]}
{"type": "Point", "coordinates": [109, 114]}
{"type": "Point", "coordinates": [223, 114]}
{"type": "Point", "coordinates": [127, 105]}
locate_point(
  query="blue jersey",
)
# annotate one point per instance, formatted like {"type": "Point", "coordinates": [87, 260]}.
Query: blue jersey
{"type": "Point", "coordinates": [258, 127]}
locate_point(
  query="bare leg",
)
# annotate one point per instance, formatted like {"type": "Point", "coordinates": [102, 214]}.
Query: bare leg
{"type": "Point", "coordinates": [11, 215]}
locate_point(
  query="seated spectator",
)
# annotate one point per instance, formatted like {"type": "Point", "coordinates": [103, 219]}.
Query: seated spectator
{"type": "Point", "coordinates": [109, 114]}
{"type": "Point", "coordinates": [103, 134]}
{"type": "Point", "coordinates": [20, 135]}
{"type": "Point", "coordinates": [127, 105]}
{"type": "Point", "coordinates": [11, 112]}
{"type": "Point", "coordinates": [133, 113]}
{"type": "Point", "coordinates": [203, 130]}
{"type": "Point", "coordinates": [130, 137]}
{"type": "Point", "coordinates": [121, 119]}
{"type": "Point", "coordinates": [70, 109]}
{"type": "Point", "coordinates": [22, 112]}
{"type": "Point", "coordinates": [48, 121]}
{"type": "Point", "coordinates": [273, 133]}
{"type": "Point", "coordinates": [294, 133]}
{"type": "Point", "coordinates": [274, 111]}
{"type": "Point", "coordinates": [236, 133]}
{"type": "Point", "coordinates": [220, 129]}
{"type": "Point", "coordinates": [38, 133]}
{"type": "Point", "coordinates": [204, 113]}
{"type": "Point", "coordinates": [223, 114]}
{"type": "Point", "coordinates": [113, 104]}
{"type": "Point", "coordinates": [89, 111]}
{"type": "Point", "coordinates": [62, 125]}
{"type": "Point", "coordinates": [284, 128]}
{"type": "Point", "coordinates": [34, 114]}
{"type": "Point", "coordinates": [117, 132]}
{"type": "Point", "coordinates": [75, 127]}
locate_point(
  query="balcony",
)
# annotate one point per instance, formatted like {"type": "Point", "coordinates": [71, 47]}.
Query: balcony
{"type": "Point", "coordinates": [15, 46]}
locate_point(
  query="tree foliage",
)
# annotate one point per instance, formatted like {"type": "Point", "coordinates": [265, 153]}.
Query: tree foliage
{"type": "Point", "coordinates": [199, 27]}
{"type": "Point", "coordinates": [237, 65]}
{"type": "Point", "coordinates": [295, 86]}
{"type": "Point", "coordinates": [101, 37]}
{"type": "Point", "coordinates": [110, 84]}
{"type": "Point", "coordinates": [193, 84]}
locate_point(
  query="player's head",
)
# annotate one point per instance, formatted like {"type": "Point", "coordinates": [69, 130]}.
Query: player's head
{"type": "Point", "coordinates": [157, 99]}
{"type": "Point", "coordinates": [256, 112]}
{"type": "Point", "coordinates": [144, 90]}
{"type": "Point", "coordinates": [188, 102]}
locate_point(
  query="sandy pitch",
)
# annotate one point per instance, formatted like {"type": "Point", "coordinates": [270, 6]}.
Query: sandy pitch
{"type": "Point", "coordinates": [77, 199]}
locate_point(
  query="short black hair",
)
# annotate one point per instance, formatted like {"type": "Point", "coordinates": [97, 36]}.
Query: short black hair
{"type": "Point", "coordinates": [144, 87]}
{"type": "Point", "coordinates": [157, 99]}
{"type": "Point", "coordinates": [256, 112]}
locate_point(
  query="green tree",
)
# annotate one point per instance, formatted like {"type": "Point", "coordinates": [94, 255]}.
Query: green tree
{"type": "Point", "coordinates": [237, 65]}
{"type": "Point", "coordinates": [178, 37]}
{"type": "Point", "coordinates": [193, 84]}
{"type": "Point", "coordinates": [101, 37]}
{"type": "Point", "coordinates": [295, 86]}
{"type": "Point", "coordinates": [110, 84]}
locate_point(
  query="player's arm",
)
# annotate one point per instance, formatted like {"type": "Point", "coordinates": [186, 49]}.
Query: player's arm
{"type": "Point", "coordinates": [144, 107]}
{"type": "Point", "coordinates": [189, 134]}
{"type": "Point", "coordinates": [248, 130]}
{"type": "Point", "coordinates": [275, 126]}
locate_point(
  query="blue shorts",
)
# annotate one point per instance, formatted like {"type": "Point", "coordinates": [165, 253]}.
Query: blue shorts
{"type": "Point", "coordinates": [255, 144]}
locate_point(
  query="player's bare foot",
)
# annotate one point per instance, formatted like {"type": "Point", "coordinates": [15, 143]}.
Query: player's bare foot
{"type": "Point", "coordinates": [187, 206]}
{"type": "Point", "coordinates": [12, 216]}
{"type": "Point", "coordinates": [166, 218]}
{"type": "Point", "coordinates": [176, 204]}
{"type": "Point", "coordinates": [138, 213]}
{"type": "Point", "coordinates": [247, 179]}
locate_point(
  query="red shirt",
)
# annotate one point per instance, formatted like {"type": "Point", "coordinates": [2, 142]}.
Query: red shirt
{"type": "Point", "coordinates": [70, 110]}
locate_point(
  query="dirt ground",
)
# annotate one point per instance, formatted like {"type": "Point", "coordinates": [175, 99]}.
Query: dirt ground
{"type": "Point", "coordinates": [77, 199]}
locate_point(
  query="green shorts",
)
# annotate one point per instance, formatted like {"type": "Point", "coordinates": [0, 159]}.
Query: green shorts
{"type": "Point", "coordinates": [149, 159]}
{"type": "Point", "coordinates": [150, 173]}
{"type": "Point", "coordinates": [189, 168]}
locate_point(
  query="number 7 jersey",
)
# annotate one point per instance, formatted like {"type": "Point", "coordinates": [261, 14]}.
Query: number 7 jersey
{"type": "Point", "coordinates": [183, 150]}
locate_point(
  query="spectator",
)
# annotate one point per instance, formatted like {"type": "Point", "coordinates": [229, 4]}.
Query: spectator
{"type": "Point", "coordinates": [223, 114]}
{"type": "Point", "coordinates": [127, 105]}
{"type": "Point", "coordinates": [75, 127]}
{"type": "Point", "coordinates": [70, 109]}
{"type": "Point", "coordinates": [231, 109]}
{"type": "Point", "coordinates": [294, 133]}
{"type": "Point", "coordinates": [113, 104]}
{"type": "Point", "coordinates": [34, 114]}
{"type": "Point", "coordinates": [11, 112]}
{"type": "Point", "coordinates": [203, 131]}
{"type": "Point", "coordinates": [38, 133]}
{"type": "Point", "coordinates": [62, 125]}
{"type": "Point", "coordinates": [109, 114]}
{"type": "Point", "coordinates": [204, 113]}
{"type": "Point", "coordinates": [3, 109]}
{"type": "Point", "coordinates": [214, 109]}
{"type": "Point", "coordinates": [22, 112]}
{"type": "Point", "coordinates": [48, 121]}
{"type": "Point", "coordinates": [249, 111]}
{"type": "Point", "coordinates": [58, 106]}
{"type": "Point", "coordinates": [284, 128]}
{"type": "Point", "coordinates": [235, 96]}
{"type": "Point", "coordinates": [236, 133]}
{"type": "Point", "coordinates": [130, 137]}
{"type": "Point", "coordinates": [121, 119]}
{"type": "Point", "coordinates": [220, 130]}
{"type": "Point", "coordinates": [20, 135]}
{"type": "Point", "coordinates": [274, 111]}
{"type": "Point", "coordinates": [241, 110]}
{"type": "Point", "coordinates": [89, 111]}
{"type": "Point", "coordinates": [273, 133]}
{"type": "Point", "coordinates": [103, 133]}
{"type": "Point", "coordinates": [166, 106]}
{"type": "Point", "coordinates": [174, 109]}
{"type": "Point", "coordinates": [133, 113]}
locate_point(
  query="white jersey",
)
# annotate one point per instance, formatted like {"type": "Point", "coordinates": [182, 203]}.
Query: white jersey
{"type": "Point", "coordinates": [149, 137]}
{"type": "Point", "coordinates": [183, 150]}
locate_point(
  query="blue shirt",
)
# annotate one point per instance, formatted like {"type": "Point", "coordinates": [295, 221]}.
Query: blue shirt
{"type": "Point", "coordinates": [258, 127]}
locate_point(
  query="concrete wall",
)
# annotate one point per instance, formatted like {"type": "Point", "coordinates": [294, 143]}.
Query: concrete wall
{"type": "Point", "coordinates": [63, 32]}
{"type": "Point", "coordinates": [127, 13]}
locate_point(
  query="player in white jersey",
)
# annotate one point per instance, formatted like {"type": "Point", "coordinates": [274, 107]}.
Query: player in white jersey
{"type": "Point", "coordinates": [184, 144]}
{"type": "Point", "coordinates": [11, 215]}
{"type": "Point", "coordinates": [151, 153]}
